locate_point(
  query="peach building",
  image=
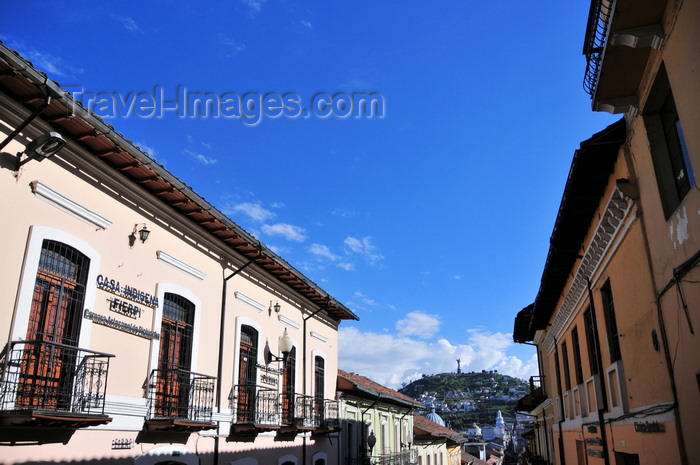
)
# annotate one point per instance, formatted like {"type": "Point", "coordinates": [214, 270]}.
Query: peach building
{"type": "Point", "coordinates": [140, 325]}
{"type": "Point", "coordinates": [616, 317]}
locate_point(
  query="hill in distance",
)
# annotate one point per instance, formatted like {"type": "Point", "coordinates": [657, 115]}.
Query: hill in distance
{"type": "Point", "coordinates": [466, 398]}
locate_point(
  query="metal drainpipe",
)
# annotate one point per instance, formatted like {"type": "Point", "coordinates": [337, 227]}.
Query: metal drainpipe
{"type": "Point", "coordinates": [601, 371]}
{"type": "Point", "coordinates": [27, 121]}
{"type": "Point", "coordinates": [325, 306]}
{"type": "Point", "coordinates": [222, 331]}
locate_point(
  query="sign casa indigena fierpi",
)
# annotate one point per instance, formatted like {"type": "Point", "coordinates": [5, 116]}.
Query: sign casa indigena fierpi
{"type": "Point", "coordinates": [127, 303]}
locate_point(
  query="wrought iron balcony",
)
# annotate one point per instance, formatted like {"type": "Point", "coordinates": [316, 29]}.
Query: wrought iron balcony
{"type": "Point", "coordinates": [48, 390]}
{"type": "Point", "coordinates": [256, 405]}
{"type": "Point", "coordinates": [309, 412]}
{"type": "Point", "coordinates": [407, 457]}
{"type": "Point", "coordinates": [535, 397]}
{"type": "Point", "coordinates": [259, 408]}
{"type": "Point", "coordinates": [329, 419]}
{"type": "Point", "coordinates": [595, 42]}
{"type": "Point", "coordinates": [180, 400]}
{"type": "Point", "coordinates": [52, 377]}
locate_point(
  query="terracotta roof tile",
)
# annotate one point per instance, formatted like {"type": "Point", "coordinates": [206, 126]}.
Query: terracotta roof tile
{"type": "Point", "coordinates": [352, 381]}
{"type": "Point", "coordinates": [430, 427]}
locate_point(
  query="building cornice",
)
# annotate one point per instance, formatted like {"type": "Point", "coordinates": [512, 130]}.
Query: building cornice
{"type": "Point", "coordinates": [609, 226]}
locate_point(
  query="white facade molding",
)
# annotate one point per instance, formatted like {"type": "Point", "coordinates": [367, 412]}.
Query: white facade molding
{"type": "Point", "coordinates": [288, 321]}
{"type": "Point", "coordinates": [69, 206]}
{"type": "Point", "coordinates": [249, 301]}
{"type": "Point", "coordinates": [180, 265]}
{"type": "Point", "coordinates": [318, 336]}
{"type": "Point", "coordinates": [609, 226]}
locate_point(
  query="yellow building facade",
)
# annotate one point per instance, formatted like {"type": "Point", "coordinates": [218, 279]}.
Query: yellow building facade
{"type": "Point", "coordinates": [140, 325]}
{"type": "Point", "coordinates": [377, 423]}
{"type": "Point", "coordinates": [615, 319]}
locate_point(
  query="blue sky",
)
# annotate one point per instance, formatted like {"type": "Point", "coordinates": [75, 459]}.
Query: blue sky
{"type": "Point", "coordinates": [431, 222]}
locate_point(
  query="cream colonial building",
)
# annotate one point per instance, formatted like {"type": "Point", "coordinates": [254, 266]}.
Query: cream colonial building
{"type": "Point", "coordinates": [140, 325]}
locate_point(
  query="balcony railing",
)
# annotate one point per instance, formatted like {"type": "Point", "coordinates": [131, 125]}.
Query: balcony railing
{"type": "Point", "coordinates": [181, 394]}
{"type": "Point", "coordinates": [595, 42]}
{"type": "Point", "coordinates": [536, 387]}
{"type": "Point", "coordinates": [53, 377]}
{"type": "Point", "coordinates": [256, 404]}
{"type": "Point", "coordinates": [408, 457]}
{"type": "Point", "coordinates": [262, 406]}
{"type": "Point", "coordinates": [330, 417]}
{"type": "Point", "coordinates": [535, 397]}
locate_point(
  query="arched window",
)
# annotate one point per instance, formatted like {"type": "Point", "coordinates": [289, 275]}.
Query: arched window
{"type": "Point", "coordinates": [174, 357]}
{"type": "Point", "coordinates": [288, 387]}
{"type": "Point", "coordinates": [45, 378]}
{"type": "Point", "coordinates": [59, 292]}
{"type": "Point", "coordinates": [397, 437]}
{"type": "Point", "coordinates": [319, 458]}
{"type": "Point", "coordinates": [319, 382]}
{"type": "Point", "coordinates": [386, 445]}
{"type": "Point", "coordinates": [247, 374]}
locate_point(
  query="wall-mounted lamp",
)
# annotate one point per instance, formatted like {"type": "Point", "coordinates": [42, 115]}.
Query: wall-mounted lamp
{"type": "Point", "coordinates": [143, 234]}
{"type": "Point", "coordinates": [285, 345]}
{"type": "Point", "coordinates": [273, 306]}
{"type": "Point", "coordinates": [40, 148]}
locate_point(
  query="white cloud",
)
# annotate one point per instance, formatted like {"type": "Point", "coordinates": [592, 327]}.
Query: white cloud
{"type": "Point", "coordinates": [306, 23]}
{"type": "Point", "coordinates": [346, 266]}
{"type": "Point", "coordinates": [254, 210]}
{"type": "Point", "coordinates": [322, 251]}
{"type": "Point", "coordinates": [128, 23]}
{"type": "Point", "coordinates": [363, 247]}
{"type": "Point", "coordinates": [344, 213]}
{"type": "Point", "coordinates": [418, 324]}
{"type": "Point", "coordinates": [394, 359]}
{"type": "Point", "coordinates": [254, 5]}
{"type": "Point", "coordinates": [200, 157]}
{"type": "Point", "coordinates": [233, 48]}
{"type": "Point", "coordinates": [149, 150]}
{"type": "Point", "coordinates": [366, 300]}
{"type": "Point", "coordinates": [52, 65]}
{"type": "Point", "coordinates": [288, 231]}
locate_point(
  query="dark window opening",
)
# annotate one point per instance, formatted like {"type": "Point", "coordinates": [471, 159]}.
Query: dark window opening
{"type": "Point", "coordinates": [319, 381]}
{"type": "Point", "coordinates": [565, 363]}
{"type": "Point", "coordinates": [610, 322]}
{"type": "Point", "coordinates": [48, 361]}
{"type": "Point", "coordinates": [174, 357]}
{"type": "Point", "coordinates": [247, 374]}
{"type": "Point", "coordinates": [674, 174]}
{"type": "Point", "coordinates": [578, 369]}
{"type": "Point", "coordinates": [288, 386]}
{"type": "Point", "coordinates": [591, 341]}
